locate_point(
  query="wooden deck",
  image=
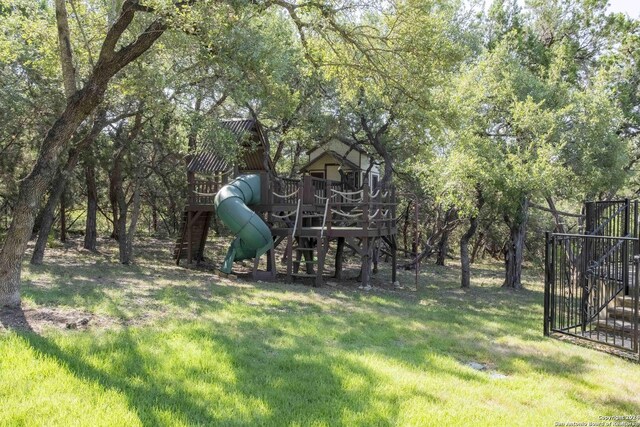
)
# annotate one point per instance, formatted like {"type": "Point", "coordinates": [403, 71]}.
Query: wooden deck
{"type": "Point", "coordinates": [335, 232]}
{"type": "Point", "coordinates": [312, 211]}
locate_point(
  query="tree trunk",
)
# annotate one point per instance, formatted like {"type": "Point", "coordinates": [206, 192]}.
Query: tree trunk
{"type": "Point", "coordinates": [90, 231]}
{"type": "Point", "coordinates": [464, 253]}
{"type": "Point", "coordinates": [447, 227]}
{"type": "Point", "coordinates": [45, 216]}
{"type": "Point", "coordinates": [47, 219]}
{"type": "Point", "coordinates": [443, 248]}
{"type": "Point", "coordinates": [476, 247]}
{"type": "Point", "coordinates": [465, 279]}
{"type": "Point", "coordinates": [297, 152]}
{"type": "Point", "coordinates": [65, 50]}
{"type": "Point", "coordinates": [339, 258]}
{"type": "Point", "coordinates": [78, 108]}
{"type": "Point", "coordinates": [121, 225]}
{"type": "Point", "coordinates": [37, 224]}
{"type": "Point", "coordinates": [57, 190]}
{"type": "Point", "coordinates": [514, 249]}
{"type": "Point", "coordinates": [63, 215]}
{"type": "Point", "coordinates": [556, 215]}
{"type": "Point", "coordinates": [405, 228]}
{"type": "Point", "coordinates": [117, 186]}
{"type": "Point", "coordinates": [154, 215]}
{"type": "Point", "coordinates": [115, 178]}
{"type": "Point", "coordinates": [133, 225]}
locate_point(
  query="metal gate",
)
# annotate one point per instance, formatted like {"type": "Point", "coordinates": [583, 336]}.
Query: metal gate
{"type": "Point", "coordinates": [591, 288]}
{"type": "Point", "coordinates": [591, 279]}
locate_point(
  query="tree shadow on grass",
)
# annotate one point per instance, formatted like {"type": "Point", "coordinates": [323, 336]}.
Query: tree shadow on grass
{"type": "Point", "coordinates": [301, 378]}
{"type": "Point", "coordinates": [267, 385]}
{"type": "Point", "coordinates": [135, 380]}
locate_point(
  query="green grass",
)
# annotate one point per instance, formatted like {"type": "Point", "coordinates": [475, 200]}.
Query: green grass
{"type": "Point", "coordinates": [183, 347]}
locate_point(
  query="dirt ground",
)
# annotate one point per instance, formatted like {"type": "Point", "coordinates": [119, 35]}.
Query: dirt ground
{"type": "Point", "coordinates": [70, 270]}
{"type": "Point", "coordinates": [38, 319]}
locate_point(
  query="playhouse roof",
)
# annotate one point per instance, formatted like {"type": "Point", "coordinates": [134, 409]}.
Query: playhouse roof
{"type": "Point", "coordinates": [339, 158]}
{"type": "Point", "coordinates": [351, 144]}
{"type": "Point", "coordinates": [253, 157]}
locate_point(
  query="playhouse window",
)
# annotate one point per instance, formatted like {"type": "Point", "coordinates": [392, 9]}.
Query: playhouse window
{"type": "Point", "coordinates": [374, 181]}
{"type": "Point", "coordinates": [351, 179]}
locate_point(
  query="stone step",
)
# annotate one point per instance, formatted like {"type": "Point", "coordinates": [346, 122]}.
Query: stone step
{"type": "Point", "coordinates": [622, 312]}
{"type": "Point", "coordinates": [617, 327]}
{"type": "Point", "coordinates": [624, 301]}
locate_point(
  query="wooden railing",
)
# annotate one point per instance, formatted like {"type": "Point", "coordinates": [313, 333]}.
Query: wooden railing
{"type": "Point", "coordinates": [202, 193]}
{"type": "Point", "coordinates": [320, 189]}
{"type": "Point", "coordinates": [285, 191]}
{"type": "Point", "coordinates": [362, 209]}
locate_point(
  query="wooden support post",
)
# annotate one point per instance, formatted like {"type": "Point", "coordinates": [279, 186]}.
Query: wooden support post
{"type": "Point", "coordinates": [308, 191]}
{"type": "Point", "coordinates": [394, 259]}
{"type": "Point", "coordinates": [189, 238]}
{"type": "Point", "coordinates": [271, 265]}
{"type": "Point", "coordinates": [366, 262]}
{"type": "Point", "coordinates": [376, 253]}
{"type": "Point", "coordinates": [321, 256]}
{"type": "Point", "coordinates": [256, 262]}
{"type": "Point", "coordinates": [339, 258]}
{"type": "Point", "coordinates": [296, 265]}
{"type": "Point", "coordinates": [365, 207]}
{"type": "Point", "coordinates": [289, 254]}
{"type": "Point", "coordinates": [203, 237]}
{"type": "Point", "coordinates": [392, 218]}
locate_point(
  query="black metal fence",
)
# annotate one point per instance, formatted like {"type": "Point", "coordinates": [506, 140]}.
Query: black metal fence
{"type": "Point", "coordinates": [591, 288]}
{"type": "Point", "coordinates": [615, 218]}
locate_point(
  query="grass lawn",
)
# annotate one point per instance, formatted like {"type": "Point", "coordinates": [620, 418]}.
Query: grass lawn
{"type": "Point", "coordinates": [170, 346]}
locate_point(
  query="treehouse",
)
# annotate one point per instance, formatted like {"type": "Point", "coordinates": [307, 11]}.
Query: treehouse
{"type": "Point", "coordinates": [338, 199]}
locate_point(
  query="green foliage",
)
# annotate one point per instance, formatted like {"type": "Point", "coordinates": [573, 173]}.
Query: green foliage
{"type": "Point", "coordinates": [530, 101]}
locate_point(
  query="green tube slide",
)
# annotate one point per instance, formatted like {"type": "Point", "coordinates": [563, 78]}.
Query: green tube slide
{"type": "Point", "coordinates": [253, 236]}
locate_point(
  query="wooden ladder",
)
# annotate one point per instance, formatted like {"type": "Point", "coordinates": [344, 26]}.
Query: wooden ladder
{"type": "Point", "coordinates": [192, 240]}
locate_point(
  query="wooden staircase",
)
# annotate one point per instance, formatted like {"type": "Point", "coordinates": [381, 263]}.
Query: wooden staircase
{"type": "Point", "coordinates": [193, 237]}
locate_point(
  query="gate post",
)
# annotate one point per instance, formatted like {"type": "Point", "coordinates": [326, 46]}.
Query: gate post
{"type": "Point", "coordinates": [584, 282]}
{"type": "Point", "coordinates": [625, 248]}
{"type": "Point", "coordinates": [589, 226]}
{"type": "Point", "coordinates": [548, 267]}
{"type": "Point", "coordinates": [636, 305]}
